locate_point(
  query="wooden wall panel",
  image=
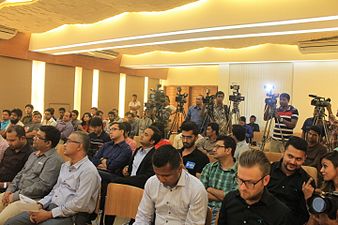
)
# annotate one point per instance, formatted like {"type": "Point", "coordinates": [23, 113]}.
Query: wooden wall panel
{"type": "Point", "coordinates": [200, 90]}
{"type": "Point", "coordinates": [59, 87]}
{"type": "Point", "coordinates": [171, 91]}
{"type": "Point", "coordinates": [134, 85]}
{"type": "Point", "coordinates": [108, 91]}
{"type": "Point", "coordinates": [16, 82]}
{"type": "Point", "coordinates": [86, 91]}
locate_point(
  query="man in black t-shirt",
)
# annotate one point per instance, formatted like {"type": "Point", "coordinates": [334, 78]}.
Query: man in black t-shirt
{"type": "Point", "coordinates": [193, 159]}
{"type": "Point", "coordinates": [97, 137]}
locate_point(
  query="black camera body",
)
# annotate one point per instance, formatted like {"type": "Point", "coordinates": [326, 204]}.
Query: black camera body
{"type": "Point", "coordinates": [326, 202]}
{"type": "Point", "coordinates": [271, 99]}
{"type": "Point", "coordinates": [236, 96]}
{"type": "Point", "coordinates": [181, 99]}
{"type": "Point", "coordinates": [320, 101]}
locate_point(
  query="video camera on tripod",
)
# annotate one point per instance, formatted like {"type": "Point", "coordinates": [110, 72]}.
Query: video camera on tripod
{"type": "Point", "coordinates": [271, 99]}
{"type": "Point", "coordinates": [208, 99]}
{"type": "Point", "coordinates": [320, 101]}
{"type": "Point", "coordinates": [326, 202]}
{"type": "Point", "coordinates": [236, 96]}
{"type": "Point", "coordinates": [180, 98]}
{"type": "Point", "coordinates": [156, 98]}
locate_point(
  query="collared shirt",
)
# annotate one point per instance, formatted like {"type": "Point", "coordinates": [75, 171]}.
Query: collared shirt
{"type": "Point", "coordinates": [117, 155]}
{"type": "Point", "coordinates": [76, 190]}
{"type": "Point", "coordinates": [139, 156]}
{"type": "Point", "coordinates": [195, 161]}
{"type": "Point", "coordinates": [4, 124]}
{"type": "Point", "coordinates": [280, 128]}
{"type": "Point", "coordinates": [268, 211]}
{"type": "Point", "coordinates": [135, 104]}
{"type": "Point", "coordinates": [288, 189]}
{"type": "Point", "coordinates": [97, 141]}
{"type": "Point", "coordinates": [195, 115]}
{"type": "Point", "coordinates": [221, 113]}
{"type": "Point", "coordinates": [205, 144]}
{"type": "Point", "coordinates": [26, 119]}
{"type": "Point", "coordinates": [50, 122]}
{"type": "Point", "coordinates": [143, 124]}
{"type": "Point", "coordinates": [13, 161]}
{"type": "Point", "coordinates": [38, 175]}
{"type": "Point", "coordinates": [66, 128]}
{"type": "Point", "coordinates": [186, 203]}
{"type": "Point", "coordinates": [214, 176]}
{"type": "Point", "coordinates": [241, 147]}
{"type": "Point", "coordinates": [254, 126]}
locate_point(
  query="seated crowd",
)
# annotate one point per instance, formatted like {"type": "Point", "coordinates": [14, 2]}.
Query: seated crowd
{"type": "Point", "coordinates": [57, 170]}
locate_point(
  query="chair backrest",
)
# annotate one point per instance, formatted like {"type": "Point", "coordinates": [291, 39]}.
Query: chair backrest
{"type": "Point", "coordinates": [257, 137]}
{"type": "Point", "coordinates": [209, 217]}
{"type": "Point", "coordinates": [122, 200]}
{"type": "Point", "coordinates": [273, 156]}
{"type": "Point", "coordinates": [312, 171]}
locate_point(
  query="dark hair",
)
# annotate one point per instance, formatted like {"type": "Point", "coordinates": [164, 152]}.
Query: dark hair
{"type": "Point", "coordinates": [297, 142]}
{"type": "Point", "coordinates": [329, 186]}
{"type": "Point", "coordinates": [285, 95]}
{"type": "Point", "coordinates": [36, 113]}
{"type": "Point", "coordinates": [62, 109]}
{"type": "Point", "coordinates": [8, 111]}
{"type": "Point", "coordinates": [128, 128]}
{"type": "Point", "coordinates": [30, 106]}
{"type": "Point", "coordinates": [253, 116]}
{"type": "Point", "coordinates": [52, 134]}
{"type": "Point", "coordinates": [75, 112]}
{"type": "Point", "coordinates": [219, 93]}
{"type": "Point", "coordinates": [122, 126]}
{"type": "Point", "coordinates": [130, 113]}
{"type": "Point", "coordinates": [160, 127]}
{"type": "Point", "coordinates": [134, 95]}
{"type": "Point", "coordinates": [98, 113]}
{"type": "Point", "coordinates": [228, 142]}
{"type": "Point", "coordinates": [243, 119]}
{"type": "Point", "coordinates": [239, 132]}
{"type": "Point", "coordinates": [19, 130]}
{"type": "Point", "coordinates": [188, 126]}
{"type": "Point", "coordinates": [17, 111]}
{"type": "Point", "coordinates": [167, 154]}
{"type": "Point", "coordinates": [85, 140]}
{"type": "Point", "coordinates": [252, 158]}
{"type": "Point", "coordinates": [214, 127]}
{"type": "Point", "coordinates": [316, 129]}
{"type": "Point", "coordinates": [110, 113]}
{"type": "Point", "coordinates": [156, 137]}
{"type": "Point", "coordinates": [96, 122]}
{"type": "Point", "coordinates": [50, 110]}
{"type": "Point", "coordinates": [86, 113]}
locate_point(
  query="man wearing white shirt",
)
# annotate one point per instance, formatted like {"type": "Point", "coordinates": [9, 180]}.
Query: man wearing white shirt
{"type": "Point", "coordinates": [173, 194]}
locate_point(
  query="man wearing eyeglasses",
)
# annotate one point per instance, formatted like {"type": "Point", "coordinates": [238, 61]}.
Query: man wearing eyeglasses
{"type": "Point", "coordinates": [252, 203]}
{"type": "Point", "coordinates": [218, 177]}
{"type": "Point", "coordinates": [36, 178]}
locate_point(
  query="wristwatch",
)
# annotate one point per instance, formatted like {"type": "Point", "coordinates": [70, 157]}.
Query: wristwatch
{"type": "Point", "coordinates": [281, 120]}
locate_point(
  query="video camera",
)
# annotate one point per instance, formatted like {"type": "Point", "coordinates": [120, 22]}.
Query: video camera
{"type": "Point", "coordinates": [271, 99]}
{"type": "Point", "coordinates": [236, 96]}
{"type": "Point", "coordinates": [181, 98]}
{"type": "Point", "coordinates": [156, 98]}
{"type": "Point", "coordinates": [320, 101]}
{"type": "Point", "coordinates": [208, 99]}
{"type": "Point", "coordinates": [326, 202]}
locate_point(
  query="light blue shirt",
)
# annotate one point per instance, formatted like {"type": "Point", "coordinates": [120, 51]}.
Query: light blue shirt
{"type": "Point", "coordinates": [140, 154]}
{"type": "Point", "coordinates": [76, 190]}
{"type": "Point", "coordinates": [4, 124]}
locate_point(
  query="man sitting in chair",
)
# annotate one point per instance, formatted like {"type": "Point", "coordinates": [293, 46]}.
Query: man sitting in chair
{"type": "Point", "coordinates": [75, 194]}
{"type": "Point", "coordinates": [175, 196]}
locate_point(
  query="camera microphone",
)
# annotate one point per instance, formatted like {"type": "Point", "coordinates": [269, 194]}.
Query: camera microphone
{"type": "Point", "coordinates": [313, 96]}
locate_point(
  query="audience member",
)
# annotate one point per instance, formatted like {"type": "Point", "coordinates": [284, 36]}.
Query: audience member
{"type": "Point", "coordinates": [252, 203]}
{"type": "Point", "coordinates": [48, 119]}
{"type": "Point", "coordinates": [178, 144]}
{"type": "Point", "coordinates": [15, 118]}
{"type": "Point", "coordinates": [163, 141]}
{"type": "Point", "coordinates": [133, 121]}
{"type": "Point", "coordinates": [290, 183]}
{"type": "Point", "coordinates": [286, 118]}
{"type": "Point", "coordinates": [308, 123]}
{"type": "Point", "coordinates": [173, 196]}
{"type": "Point", "coordinates": [5, 119]}
{"type": "Point", "coordinates": [33, 127]}
{"type": "Point", "coordinates": [65, 126]}
{"type": "Point", "coordinates": [36, 178]}
{"type": "Point", "coordinates": [195, 113]}
{"type": "Point", "coordinates": [248, 129]}
{"type": "Point", "coordinates": [134, 105]}
{"type": "Point", "coordinates": [93, 111]}
{"type": "Point", "coordinates": [15, 156]}
{"type": "Point", "coordinates": [221, 113]}
{"type": "Point", "coordinates": [218, 177]}
{"type": "Point", "coordinates": [144, 122]}
{"type": "Point", "coordinates": [238, 133]}
{"type": "Point", "coordinates": [97, 136]}
{"type": "Point", "coordinates": [207, 144]}
{"type": "Point", "coordinates": [193, 159]}
{"type": "Point", "coordinates": [86, 117]}
{"type": "Point", "coordinates": [27, 119]}
{"type": "Point", "coordinates": [62, 111]}
{"type": "Point", "coordinates": [253, 124]}
{"type": "Point", "coordinates": [75, 194]}
{"type": "Point", "coordinates": [75, 121]}
{"type": "Point", "coordinates": [113, 116]}
{"type": "Point", "coordinates": [3, 146]}
{"type": "Point", "coordinates": [131, 142]}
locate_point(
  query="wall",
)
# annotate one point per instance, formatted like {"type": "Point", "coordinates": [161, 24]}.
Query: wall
{"type": "Point", "coordinates": [86, 91]}
{"type": "Point", "coordinates": [134, 85]}
{"type": "Point", "coordinates": [108, 91]}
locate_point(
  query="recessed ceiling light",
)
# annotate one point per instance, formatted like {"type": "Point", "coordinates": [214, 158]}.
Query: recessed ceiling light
{"type": "Point", "coordinates": [18, 1]}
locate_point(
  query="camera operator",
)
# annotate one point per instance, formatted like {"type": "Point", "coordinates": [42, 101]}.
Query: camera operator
{"type": "Point", "coordinates": [286, 117]}
{"type": "Point", "coordinates": [221, 113]}
{"type": "Point", "coordinates": [333, 128]}
{"type": "Point", "coordinates": [195, 113]}
{"type": "Point", "coordinates": [329, 171]}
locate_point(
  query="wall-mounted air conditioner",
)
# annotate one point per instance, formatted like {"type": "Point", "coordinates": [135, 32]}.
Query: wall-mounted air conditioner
{"type": "Point", "coordinates": [7, 33]}
{"type": "Point", "coordinates": [327, 45]}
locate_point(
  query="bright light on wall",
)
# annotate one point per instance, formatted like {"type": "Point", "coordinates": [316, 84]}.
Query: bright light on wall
{"type": "Point", "coordinates": [95, 91]}
{"type": "Point", "coordinates": [122, 94]}
{"type": "Point", "coordinates": [78, 89]}
{"type": "Point", "coordinates": [38, 85]}
{"type": "Point", "coordinates": [146, 84]}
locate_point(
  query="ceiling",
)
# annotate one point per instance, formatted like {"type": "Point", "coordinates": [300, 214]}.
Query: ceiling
{"type": "Point", "coordinates": [143, 26]}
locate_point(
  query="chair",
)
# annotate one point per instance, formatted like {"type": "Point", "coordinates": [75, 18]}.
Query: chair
{"type": "Point", "coordinates": [122, 200]}
{"type": "Point", "coordinates": [209, 217]}
{"type": "Point", "coordinates": [312, 171]}
{"type": "Point", "coordinates": [273, 156]}
{"type": "Point", "coordinates": [257, 137]}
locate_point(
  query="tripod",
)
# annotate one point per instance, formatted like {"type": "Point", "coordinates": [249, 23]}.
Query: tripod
{"type": "Point", "coordinates": [319, 120]}
{"type": "Point", "coordinates": [234, 115]}
{"type": "Point", "coordinates": [208, 117]}
{"type": "Point", "coordinates": [178, 119]}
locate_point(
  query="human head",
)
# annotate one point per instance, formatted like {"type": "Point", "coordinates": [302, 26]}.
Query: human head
{"type": "Point", "coordinates": [29, 109]}
{"type": "Point", "coordinates": [284, 99]}
{"type": "Point", "coordinates": [189, 134]}
{"type": "Point", "coordinates": [219, 97]}
{"type": "Point", "coordinates": [111, 116]}
{"type": "Point", "coordinates": [128, 129]}
{"type": "Point", "coordinates": [62, 111]}
{"type": "Point", "coordinates": [48, 114]}
{"type": "Point", "coordinates": [294, 154]}
{"type": "Point", "coordinates": [96, 125]}
{"type": "Point", "coordinates": [199, 100]}
{"type": "Point", "coordinates": [36, 117]}
{"type": "Point", "coordinates": [15, 137]}
{"type": "Point", "coordinates": [93, 111]}
{"type": "Point", "coordinates": [252, 119]}
{"type": "Point", "coordinates": [150, 137]}
{"type": "Point", "coordinates": [329, 168]}
{"type": "Point", "coordinates": [46, 138]}
{"type": "Point", "coordinates": [99, 113]}
{"type": "Point", "coordinates": [160, 127]}
{"type": "Point", "coordinates": [212, 130]}
{"type": "Point", "coordinates": [16, 115]}
{"type": "Point", "coordinates": [225, 147]}
{"type": "Point", "coordinates": [313, 135]}
{"type": "Point", "coordinates": [6, 114]}
{"type": "Point", "coordinates": [66, 116]}
{"type": "Point", "coordinates": [167, 164]}
{"type": "Point", "coordinates": [134, 97]}
{"type": "Point", "coordinates": [86, 117]}
{"type": "Point", "coordinates": [77, 145]}
{"type": "Point", "coordinates": [75, 114]}
{"type": "Point", "coordinates": [242, 120]}
{"type": "Point", "coordinates": [252, 175]}
{"type": "Point", "coordinates": [117, 131]}
{"type": "Point", "coordinates": [238, 132]}
{"type": "Point", "coordinates": [130, 117]}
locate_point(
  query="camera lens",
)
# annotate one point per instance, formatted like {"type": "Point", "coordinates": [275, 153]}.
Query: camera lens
{"type": "Point", "coordinates": [319, 205]}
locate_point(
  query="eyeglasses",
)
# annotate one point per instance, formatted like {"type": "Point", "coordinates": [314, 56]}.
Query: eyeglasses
{"type": "Point", "coordinates": [71, 141]}
{"type": "Point", "coordinates": [219, 146]}
{"type": "Point", "coordinates": [114, 128]}
{"type": "Point", "coordinates": [248, 184]}
{"type": "Point", "coordinates": [187, 137]}
{"type": "Point", "coordinates": [40, 138]}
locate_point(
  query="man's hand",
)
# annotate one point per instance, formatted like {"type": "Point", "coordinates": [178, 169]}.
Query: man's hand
{"type": "Point", "coordinates": [125, 171]}
{"type": "Point", "coordinates": [5, 198]}
{"type": "Point", "coordinates": [308, 189]}
{"type": "Point", "coordinates": [40, 216]}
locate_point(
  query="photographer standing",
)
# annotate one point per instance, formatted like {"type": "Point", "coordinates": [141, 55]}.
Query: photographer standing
{"type": "Point", "coordinates": [221, 113]}
{"type": "Point", "coordinates": [286, 117]}
{"type": "Point", "coordinates": [195, 113]}
{"type": "Point", "coordinates": [329, 171]}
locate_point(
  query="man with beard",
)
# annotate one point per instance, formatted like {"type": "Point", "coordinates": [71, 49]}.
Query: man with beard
{"type": "Point", "coordinates": [290, 183]}
{"type": "Point", "coordinates": [252, 203]}
{"type": "Point", "coordinates": [193, 159]}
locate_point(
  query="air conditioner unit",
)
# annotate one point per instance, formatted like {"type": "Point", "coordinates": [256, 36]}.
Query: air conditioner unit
{"type": "Point", "coordinates": [327, 45]}
{"type": "Point", "coordinates": [104, 54]}
{"type": "Point", "coordinates": [7, 33]}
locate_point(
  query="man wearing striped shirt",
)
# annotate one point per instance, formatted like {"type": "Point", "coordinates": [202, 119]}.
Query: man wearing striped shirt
{"type": "Point", "coordinates": [286, 117]}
